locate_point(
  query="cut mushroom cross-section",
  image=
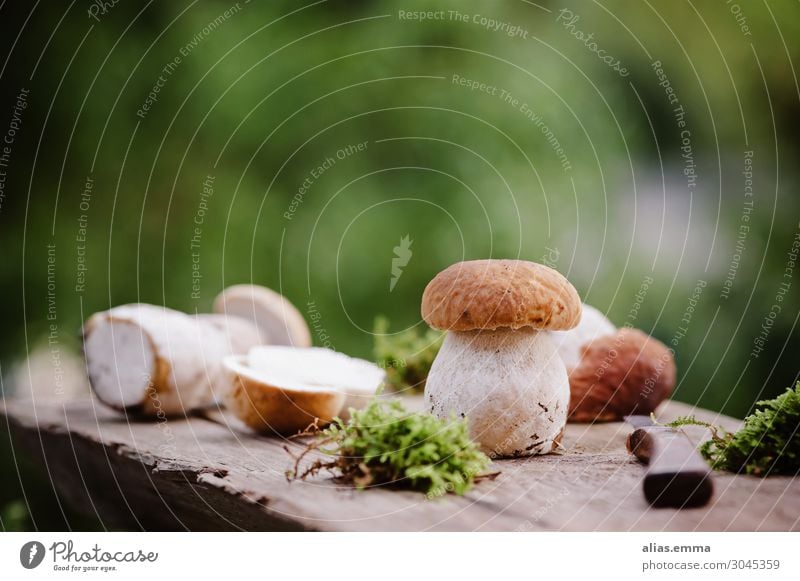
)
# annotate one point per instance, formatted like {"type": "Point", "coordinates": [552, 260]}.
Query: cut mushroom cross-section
{"type": "Point", "coordinates": [155, 360]}
{"type": "Point", "coordinates": [285, 389]}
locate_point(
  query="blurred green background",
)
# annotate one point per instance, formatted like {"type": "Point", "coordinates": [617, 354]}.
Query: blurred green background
{"type": "Point", "coordinates": [544, 151]}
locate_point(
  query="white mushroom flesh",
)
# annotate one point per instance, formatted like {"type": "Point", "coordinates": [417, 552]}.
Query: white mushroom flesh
{"type": "Point", "coordinates": [121, 363]}
{"type": "Point", "coordinates": [317, 368]}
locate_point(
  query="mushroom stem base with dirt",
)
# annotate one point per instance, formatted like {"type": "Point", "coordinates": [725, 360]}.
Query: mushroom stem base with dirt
{"type": "Point", "coordinates": [511, 385]}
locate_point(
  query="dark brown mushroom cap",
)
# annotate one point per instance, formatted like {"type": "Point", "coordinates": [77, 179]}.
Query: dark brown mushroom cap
{"type": "Point", "coordinates": [618, 375]}
{"type": "Point", "coordinates": [490, 294]}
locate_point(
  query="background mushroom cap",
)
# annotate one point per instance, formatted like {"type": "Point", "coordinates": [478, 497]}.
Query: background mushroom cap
{"type": "Point", "coordinates": [278, 320]}
{"type": "Point", "coordinates": [621, 374]}
{"type": "Point", "coordinates": [572, 343]}
{"type": "Point", "coordinates": [490, 294]}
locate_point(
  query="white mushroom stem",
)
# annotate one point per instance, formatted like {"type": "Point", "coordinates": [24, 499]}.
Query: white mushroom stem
{"type": "Point", "coordinates": [510, 385]}
{"type": "Point", "coordinates": [160, 361]}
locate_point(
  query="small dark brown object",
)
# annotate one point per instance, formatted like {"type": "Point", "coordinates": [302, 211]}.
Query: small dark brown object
{"type": "Point", "coordinates": [677, 476]}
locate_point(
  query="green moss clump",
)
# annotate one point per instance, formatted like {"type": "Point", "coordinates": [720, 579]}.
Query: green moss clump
{"type": "Point", "coordinates": [386, 444]}
{"type": "Point", "coordinates": [407, 357]}
{"type": "Point", "coordinates": [768, 444]}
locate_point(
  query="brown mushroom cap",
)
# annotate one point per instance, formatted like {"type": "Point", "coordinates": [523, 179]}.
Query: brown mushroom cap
{"type": "Point", "coordinates": [622, 374]}
{"type": "Point", "coordinates": [490, 294]}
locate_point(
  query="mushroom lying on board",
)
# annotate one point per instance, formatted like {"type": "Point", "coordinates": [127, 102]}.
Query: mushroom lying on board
{"type": "Point", "coordinates": [154, 360]}
{"type": "Point", "coordinates": [622, 374]}
{"type": "Point", "coordinates": [613, 373]}
{"type": "Point", "coordinates": [286, 389]}
{"type": "Point", "coordinates": [496, 367]}
{"type": "Point", "coordinates": [159, 361]}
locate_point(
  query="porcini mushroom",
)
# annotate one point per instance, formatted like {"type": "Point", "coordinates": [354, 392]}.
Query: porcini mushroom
{"type": "Point", "coordinates": [622, 374]}
{"type": "Point", "coordinates": [286, 389]}
{"type": "Point", "coordinates": [154, 360]}
{"type": "Point", "coordinates": [496, 367]}
{"type": "Point", "coordinates": [277, 320]}
{"type": "Point", "coordinates": [613, 373]}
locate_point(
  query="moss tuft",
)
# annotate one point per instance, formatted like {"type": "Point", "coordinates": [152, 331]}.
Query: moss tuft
{"type": "Point", "coordinates": [386, 444]}
{"type": "Point", "coordinates": [768, 444]}
{"type": "Point", "coordinates": [407, 356]}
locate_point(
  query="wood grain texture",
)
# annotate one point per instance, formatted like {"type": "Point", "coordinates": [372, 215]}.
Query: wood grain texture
{"type": "Point", "coordinates": [211, 473]}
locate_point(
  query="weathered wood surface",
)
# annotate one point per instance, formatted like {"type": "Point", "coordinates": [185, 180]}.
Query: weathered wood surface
{"type": "Point", "coordinates": [209, 473]}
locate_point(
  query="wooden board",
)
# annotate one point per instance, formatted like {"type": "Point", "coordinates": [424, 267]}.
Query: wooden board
{"type": "Point", "coordinates": [210, 473]}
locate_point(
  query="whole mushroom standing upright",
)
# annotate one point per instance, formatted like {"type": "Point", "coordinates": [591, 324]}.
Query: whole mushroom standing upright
{"type": "Point", "coordinates": [496, 367]}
